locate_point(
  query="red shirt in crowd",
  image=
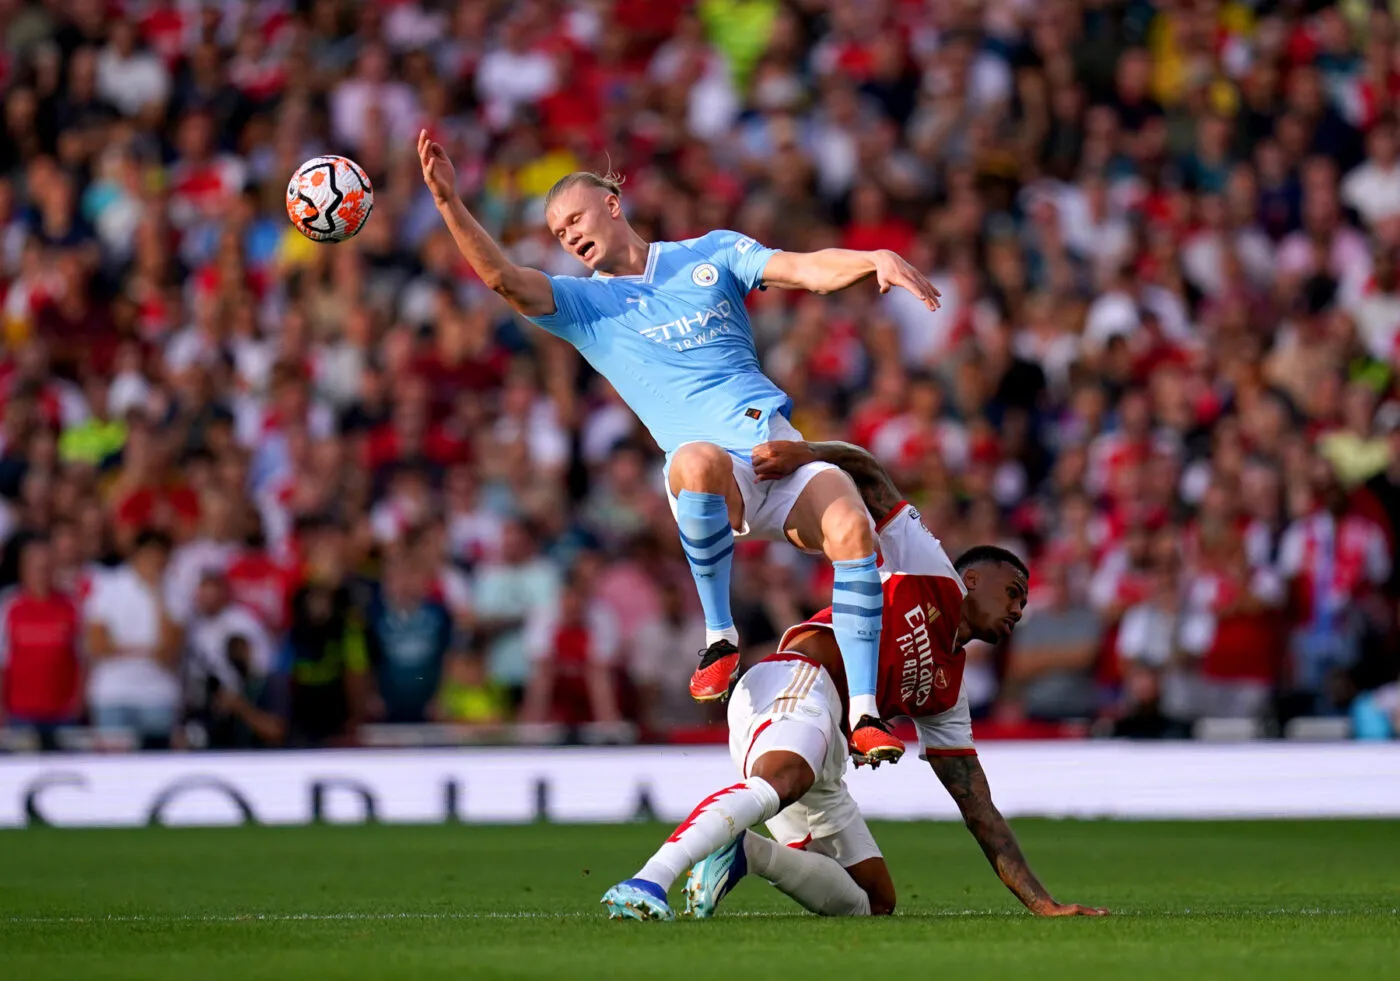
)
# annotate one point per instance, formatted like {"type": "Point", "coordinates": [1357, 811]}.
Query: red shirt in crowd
{"type": "Point", "coordinates": [140, 508]}
{"type": "Point", "coordinates": [385, 447]}
{"type": "Point", "coordinates": [892, 234]}
{"type": "Point", "coordinates": [1246, 646]}
{"type": "Point", "coordinates": [40, 676]}
{"type": "Point", "coordinates": [1336, 560]}
{"type": "Point", "coordinates": [263, 585]}
{"type": "Point", "coordinates": [476, 374]}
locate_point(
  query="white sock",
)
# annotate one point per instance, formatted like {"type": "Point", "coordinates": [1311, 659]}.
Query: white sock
{"type": "Point", "coordinates": [716, 821]}
{"type": "Point", "coordinates": [863, 705]}
{"type": "Point", "coordinates": [817, 882]}
{"type": "Point", "coordinates": [730, 634]}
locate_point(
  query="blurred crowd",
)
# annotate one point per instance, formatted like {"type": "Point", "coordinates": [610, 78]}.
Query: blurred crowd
{"type": "Point", "coordinates": [258, 491]}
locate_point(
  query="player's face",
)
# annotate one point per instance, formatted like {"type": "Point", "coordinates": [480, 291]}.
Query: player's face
{"type": "Point", "coordinates": [588, 223]}
{"type": "Point", "coordinates": [996, 594]}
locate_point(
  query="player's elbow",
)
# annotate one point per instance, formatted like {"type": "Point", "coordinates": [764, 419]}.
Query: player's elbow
{"type": "Point", "coordinates": [504, 281]}
{"type": "Point", "coordinates": [512, 285]}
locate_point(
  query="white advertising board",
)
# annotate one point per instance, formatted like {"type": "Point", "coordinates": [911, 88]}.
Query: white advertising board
{"type": "Point", "coordinates": [1082, 780]}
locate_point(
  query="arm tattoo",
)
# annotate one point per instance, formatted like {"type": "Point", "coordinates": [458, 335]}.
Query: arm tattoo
{"type": "Point", "coordinates": [876, 489]}
{"type": "Point", "coordinates": [967, 783]}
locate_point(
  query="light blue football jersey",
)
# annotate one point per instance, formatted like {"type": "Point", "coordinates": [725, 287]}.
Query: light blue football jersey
{"type": "Point", "coordinates": [676, 341]}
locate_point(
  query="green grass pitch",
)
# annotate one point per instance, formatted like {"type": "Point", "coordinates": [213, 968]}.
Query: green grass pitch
{"type": "Point", "coordinates": [1219, 900]}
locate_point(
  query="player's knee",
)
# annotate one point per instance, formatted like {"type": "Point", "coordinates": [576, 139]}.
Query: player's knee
{"type": "Point", "coordinates": [701, 467]}
{"type": "Point", "coordinates": [846, 532]}
{"type": "Point", "coordinates": [788, 774]}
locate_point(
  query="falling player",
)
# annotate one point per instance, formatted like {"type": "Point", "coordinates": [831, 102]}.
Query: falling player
{"type": "Point", "coordinates": [785, 731]}
{"type": "Point", "coordinates": [665, 323]}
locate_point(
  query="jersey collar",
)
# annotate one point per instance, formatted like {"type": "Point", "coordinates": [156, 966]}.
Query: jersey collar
{"type": "Point", "coordinates": [653, 251]}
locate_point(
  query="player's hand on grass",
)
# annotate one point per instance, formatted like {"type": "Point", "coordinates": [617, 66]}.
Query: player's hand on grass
{"type": "Point", "coordinates": [438, 172]}
{"type": "Point", "coordinates": [892, 270]}
{"type": "Point", "coordinates": [780, 458]}
{"type": "Point", "coordinates": [1052, 908]}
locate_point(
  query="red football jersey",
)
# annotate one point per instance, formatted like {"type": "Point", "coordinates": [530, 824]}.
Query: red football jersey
{"type": "Point", "coordinates": [921, 664]}
{"type": "Point", "coordinates": [39, 664]}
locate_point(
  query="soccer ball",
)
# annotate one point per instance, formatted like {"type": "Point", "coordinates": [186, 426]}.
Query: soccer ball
{"type": "Point", "coordinates": [329, 199]}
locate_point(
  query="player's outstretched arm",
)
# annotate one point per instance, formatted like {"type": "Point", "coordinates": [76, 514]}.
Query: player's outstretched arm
{"type": "Point", "coordinates": [967, 783]}
{"type": "Point", "coordinates": [525, 289]}
{"type": "Point", "coordinates": [834, 269]}
{"type": "Point", "coordinates": [781, 457]}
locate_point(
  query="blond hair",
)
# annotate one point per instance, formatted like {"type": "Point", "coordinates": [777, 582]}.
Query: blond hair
{"type": "Point", "coordinates": [611, 182]}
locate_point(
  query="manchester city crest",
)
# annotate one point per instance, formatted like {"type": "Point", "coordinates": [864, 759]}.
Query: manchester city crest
{"type": "Point", "coordinates": [704, 275]}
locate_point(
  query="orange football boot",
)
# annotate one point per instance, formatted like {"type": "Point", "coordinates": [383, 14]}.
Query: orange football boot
{"type": "Point", "coordinates": [718, 664]}
{"type": "Point", "coordinates": [872, 742]}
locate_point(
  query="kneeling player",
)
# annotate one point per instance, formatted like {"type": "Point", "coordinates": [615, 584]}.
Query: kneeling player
{"type": "Point", "coordinates": [787, 730]}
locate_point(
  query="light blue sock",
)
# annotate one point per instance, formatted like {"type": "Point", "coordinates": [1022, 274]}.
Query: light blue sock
{"type": "Point", "coordinates": [709, 547]}
{"type": "Point", "coordinates": [856, 602]}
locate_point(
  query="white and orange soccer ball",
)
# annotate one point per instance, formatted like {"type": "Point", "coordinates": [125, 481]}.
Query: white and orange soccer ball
{"type": "Point", "coordinates": [329, 199]}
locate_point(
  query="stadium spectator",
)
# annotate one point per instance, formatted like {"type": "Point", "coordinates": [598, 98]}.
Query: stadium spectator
{"type": "Point", "coordinates": [1050, 668]}
{"type": "Point", "coordinates": [573, 651]}
{"type": "Point", "coordinates": [1232, 623]}
{"type": "Point", "coordinates": [513, 590]}
{"type": "Point", "coordinates": [1331, 558]}
{"type": "Point", "coordinates": [658, 662]}
{"type": "Point", "coordinates": [231, 693]}
{"type": "Point", "coordinates": [410, 636]}
{"type": "Point", "coordinates": [41, 673]}
{"type": "Point", "coordinates": [326, 654]}
{"type": "Point", "coordinates": [467, 697]}
{"type": "Point", "coordinates": [212, 550]}
{"type": "Point", "coordinates": [134, 646]}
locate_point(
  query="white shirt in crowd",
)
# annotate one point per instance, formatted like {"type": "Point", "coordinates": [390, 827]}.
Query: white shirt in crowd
{"type": "Point", "coordinates": [352, 100]}
{"type": "Point", "coordinates": [1373, 191]}
{"type": "Point", "coordinates": [506, 80]}
{"type": "Point", "coordinates": [132, 83]}
{"type": "Point", "coordinates": [507, 592]}
{"type": "Point", "coordinates": [130, 610]}
{"type": "Point", "coordinates": [1377, 317]}
{"type": "Point", "coordinates": [475, 535]}
{"type": "Point", "coordinates": [923, 340]}
{"type": "Point", "coordinates": [208, 641]}
{"type": "Point", "coordinates": [1148, 635]}
{"type": "Point", "coordinates": [187, 566]}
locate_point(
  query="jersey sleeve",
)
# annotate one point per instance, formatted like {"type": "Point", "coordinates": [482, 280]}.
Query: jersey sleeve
{"type": "Point", "coordinates": [742, 256]}
{"type": "Point", "coordinates": [947, 733]}
{"type": "Point", "coordinates": [574, 315]}
{"type": "Point", "coordinates": [909, 547]}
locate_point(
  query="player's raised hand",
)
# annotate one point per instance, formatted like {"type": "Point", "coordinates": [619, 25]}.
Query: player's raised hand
{"type": "Point", "coordinates": [438, 172]}
{"type": "Point", "coordinates": [892, 270]}
{"type": "Point", "coordinates": [780, 458]}
{"type": "Point", "coordinates": [1069, 909]}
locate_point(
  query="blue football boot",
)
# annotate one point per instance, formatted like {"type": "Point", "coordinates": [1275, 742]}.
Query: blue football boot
{"type": "Point", "coordinates": [637, 899]}
{"type": "Point", "coordinates": [713, 877]}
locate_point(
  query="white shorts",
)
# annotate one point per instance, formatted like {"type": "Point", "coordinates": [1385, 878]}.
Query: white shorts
{"type": "Point", "coordinates": [793, 706]}
{"type": "Point", "coordinates": [767, 503]}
